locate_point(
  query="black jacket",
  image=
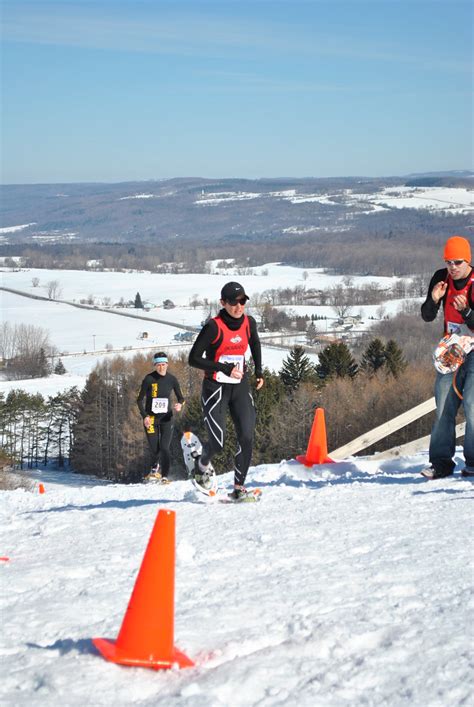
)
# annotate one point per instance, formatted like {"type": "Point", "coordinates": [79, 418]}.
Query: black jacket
{"type": "Point", "coordinates": [156, 386]}
{"type": "Point", "coordinates": [429, 309]}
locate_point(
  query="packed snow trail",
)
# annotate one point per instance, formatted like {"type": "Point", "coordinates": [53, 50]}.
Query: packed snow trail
{"type": "Point", "coordinates": [349, 584]}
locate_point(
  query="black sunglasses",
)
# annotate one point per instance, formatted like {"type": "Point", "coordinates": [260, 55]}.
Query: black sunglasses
{"type": "Point", "coordinates": [454, 262]}
{"type": "Point", "coordinates": [233, 302]}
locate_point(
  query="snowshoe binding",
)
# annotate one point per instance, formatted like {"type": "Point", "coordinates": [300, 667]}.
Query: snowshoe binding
{"type": "Point", "coordinates": [242, 495]}
{"type": "Point", "coordinates": [204, 480]}
{"type": "Point", "coordinates": [155, 477]}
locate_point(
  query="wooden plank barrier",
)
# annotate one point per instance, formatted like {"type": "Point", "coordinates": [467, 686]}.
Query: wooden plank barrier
{"type": "Point", "coordinates": [378, 433]}
{"type": "Point", "coordinates": [417, 445]}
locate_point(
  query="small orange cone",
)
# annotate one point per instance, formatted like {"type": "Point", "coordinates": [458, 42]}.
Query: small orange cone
{"type": "Point", "coordinates": [317, 451]}
{"type": "Point", "coordinates": [147, 632]}
{"type": "Point", "coordinates": [41, 488]}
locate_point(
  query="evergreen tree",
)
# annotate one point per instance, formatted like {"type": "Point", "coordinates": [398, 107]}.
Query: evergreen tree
{"type": "Point", "coordinates": [43, 366]}
{"type": "Point", "coordinates": [138, 301]}
{"type": "Point", "coordinates": [373, 357]}
{"type": "Point", "coordinates": [22, 425]}
{"type": "Point", "coordinates": [297, 368]}
{"type": "Point", "coordinates": [34, 423]}
{"type": "Point", "coordinates": [311, 332]}
{"type": "Point", "coordinates": [266, 399]}
{"type": "Point", "coordinates": [131, 463]}
{"type": "Point", "coordinates": [108, 437]}
{"type": "Point", "coordinates": [33, 430]}
{"type": "Point", "coordinates": [395, 362]}
{"type": "Point", "coordinates": [59, 368]}
{"type": "Point", "coordinates": [336, 360]}
{"type": "Point", "coordinates": [63, 410]}
{"type": "Point", "coordinates": [88, 452]}
{"type": "Point", "coordinates": [192, 419]}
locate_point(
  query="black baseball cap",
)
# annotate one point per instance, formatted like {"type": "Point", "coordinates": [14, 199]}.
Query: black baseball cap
{"type": "Point", "coordinates": [232, 291]}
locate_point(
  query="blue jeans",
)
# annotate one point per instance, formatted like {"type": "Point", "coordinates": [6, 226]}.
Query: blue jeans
{"type": "Point", "coordinates": [443, 435]}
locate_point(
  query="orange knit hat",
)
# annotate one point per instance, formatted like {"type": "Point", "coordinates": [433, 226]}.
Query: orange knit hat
{"type": "Point", "coordinates": [457, 248]}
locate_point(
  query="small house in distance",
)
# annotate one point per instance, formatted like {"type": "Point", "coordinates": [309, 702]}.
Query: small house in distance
{"type": "Point", "coordinates": [185, 336]}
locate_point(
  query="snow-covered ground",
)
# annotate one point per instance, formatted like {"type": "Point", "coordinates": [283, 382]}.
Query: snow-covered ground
{"type": "Point", "coordinates": [52, 385]}
{"type": "Point", "coordinates": [155, 288]}
{"type": "Point", "coordinates": [13, 229]}
{"type": "Point", "coordinates": [453, 200]}
{"type": "Point", "coordinates": [74, 330]}
{"type": "Point", "coordinates": [348, 584]}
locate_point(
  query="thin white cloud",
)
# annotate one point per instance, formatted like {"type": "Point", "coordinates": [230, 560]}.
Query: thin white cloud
{"type": "Point", "coordinates": [153, 28]}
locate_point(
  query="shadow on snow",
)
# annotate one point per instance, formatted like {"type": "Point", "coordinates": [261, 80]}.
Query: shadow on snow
{"type": "Point", "coordinates": [107, 504]}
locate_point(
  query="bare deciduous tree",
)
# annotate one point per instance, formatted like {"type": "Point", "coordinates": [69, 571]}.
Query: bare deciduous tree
{"type": "Point", "coordinates": [195, 301]}
{"type": "Point", "coordinates": [340, 300]}
{"type": "Point", "coordinates": [25, 349]}
{"type": "Point", "coordinates": [53, 289]}
{"type": "Point", "coordinates": [7, 341]}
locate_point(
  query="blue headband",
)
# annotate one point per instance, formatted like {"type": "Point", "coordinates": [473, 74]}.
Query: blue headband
{"type": "Point", "coordinates": [160, 359]}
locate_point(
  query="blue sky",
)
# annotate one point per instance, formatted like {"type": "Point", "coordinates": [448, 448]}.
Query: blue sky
{"type": "Point", "coordinates": [116, 91]}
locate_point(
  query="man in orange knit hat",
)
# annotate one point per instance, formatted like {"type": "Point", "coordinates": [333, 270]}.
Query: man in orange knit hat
{"type": "Point", "coordinates": [453, 287]}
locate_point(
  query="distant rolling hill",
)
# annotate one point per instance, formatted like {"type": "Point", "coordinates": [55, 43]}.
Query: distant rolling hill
{"type": "Point", "coordinates": [209, 210]}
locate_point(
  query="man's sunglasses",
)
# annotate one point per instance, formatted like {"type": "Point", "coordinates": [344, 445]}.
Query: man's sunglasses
{"type": "Point", "coordinates": [233, 302]}
{"type": "Point", "coordinates": [454, 262]}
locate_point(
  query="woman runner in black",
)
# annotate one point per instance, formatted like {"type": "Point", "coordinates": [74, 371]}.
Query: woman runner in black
{"type": "Point", "coordinates": [154, 403]}
{"type": "Point", "coordinates": [224, 341]}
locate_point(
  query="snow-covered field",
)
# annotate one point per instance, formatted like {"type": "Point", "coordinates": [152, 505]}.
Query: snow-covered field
{"type": "Point", "coordinates": [155, 288]}
{"type": "Point", "coordinates": [349, 584]}
{"type": "Point", "coordinates": [82, 335]}
{"type": "Point", "coordinates": [453, 200]}
{"type": "Point", "coordinates": [448, 199]}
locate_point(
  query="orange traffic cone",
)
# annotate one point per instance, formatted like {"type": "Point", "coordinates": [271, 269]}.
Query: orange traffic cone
{"type": "Point", "coordinates": [41, 488]}
{"type": "Point", "coordinates": [317, 451]}
{"type": "Point", "coordinates": [146, 635]}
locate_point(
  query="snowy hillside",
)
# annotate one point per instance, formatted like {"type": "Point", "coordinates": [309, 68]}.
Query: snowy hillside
{"type": "Point", "coordinates": [348, 584]}
{"type": "Point", "coordinates": [451, 200]}
{"type": "Point", "coordinates": [201, 210]}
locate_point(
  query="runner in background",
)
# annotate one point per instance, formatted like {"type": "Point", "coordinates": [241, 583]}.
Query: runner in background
{"type": "Point", "coordinates": [156, 409]}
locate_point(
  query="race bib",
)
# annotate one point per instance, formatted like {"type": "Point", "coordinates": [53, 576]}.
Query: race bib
{"type": "Point", "coordinates": [159, 405]}
{"type": "Point", "coordinates": [236, 361]}
{"type": "Point", "coordinates": [453, 328]}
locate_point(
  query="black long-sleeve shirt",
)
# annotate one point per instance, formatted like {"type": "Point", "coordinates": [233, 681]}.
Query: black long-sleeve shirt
{"type": "Point", "coordinates": [429, 309]}
{"type": "Point", "coordinates": [153, 387]}
{"type": "Point", "coordinates": [203, 345]}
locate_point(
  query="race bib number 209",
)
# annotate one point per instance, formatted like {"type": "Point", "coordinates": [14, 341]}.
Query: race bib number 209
{"type": "Point", "coordinates": [159, 406]}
